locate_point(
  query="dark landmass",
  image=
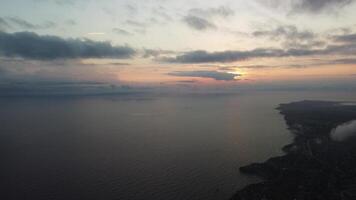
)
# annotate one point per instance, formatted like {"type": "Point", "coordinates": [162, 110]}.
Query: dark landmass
{"type": "Point", "coordinates": [314, 166]}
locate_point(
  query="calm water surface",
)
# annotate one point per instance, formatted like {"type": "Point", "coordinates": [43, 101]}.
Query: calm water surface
{"type": "Point", "coordinates": [139, 146]}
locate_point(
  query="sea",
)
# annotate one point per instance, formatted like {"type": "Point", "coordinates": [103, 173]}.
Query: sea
{"type": "Point", "coordinates": [146, 146]}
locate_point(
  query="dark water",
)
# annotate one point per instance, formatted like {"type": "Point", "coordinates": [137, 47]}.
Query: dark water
{"type": "Point", "coordinates": [138, 146]}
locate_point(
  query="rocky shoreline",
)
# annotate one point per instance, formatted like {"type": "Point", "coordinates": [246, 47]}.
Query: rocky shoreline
{"type": "Point", "coordinates": [314, 166]}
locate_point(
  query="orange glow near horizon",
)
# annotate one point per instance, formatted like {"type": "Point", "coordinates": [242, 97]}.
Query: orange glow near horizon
{"type": "Point", "coordinates": [246, 72]}
{"type": "Point", "coordinates": [159, 75]}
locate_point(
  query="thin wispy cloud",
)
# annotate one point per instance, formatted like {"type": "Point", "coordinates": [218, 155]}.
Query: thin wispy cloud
{"type": "Point", "coordinates": [203, 19]}
{"type": "Point", "coordinates": [198, 23]}
{"type": "Point", "coordinates": [71, 22]}
{"type": "Point", "coordinates": [10, 22]}
{"type": "Point", "coordinates": [4, 25]}
{"type": "Point", "coordinates": [120, 31]}
{"type": "Point", "coordinates": [96, 33]}
{"type": "Point", "coordinates": [221, 11]}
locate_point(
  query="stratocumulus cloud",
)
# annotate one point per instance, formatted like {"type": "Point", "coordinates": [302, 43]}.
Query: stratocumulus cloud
{"type": "Point", "coordinates": [290, 36]}
{"type": "Point", "coordinates": [347, 38]}
{"type": "Point", "coordinates": [219, 76]}
{"type": "Point", "coordinates": [30, 45]}
{"type": "Point", "coordinates": [319, 5]}
{"type": "Point", "coordinates": [222, 56]}
{"type": "Point", "coordinates": [283, 32]}
{"type": "Point", "coordinates": [308, 6]}
{"type": "Point", "coordinates": [344, 45]}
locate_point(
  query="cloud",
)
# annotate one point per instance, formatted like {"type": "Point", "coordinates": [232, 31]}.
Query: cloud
{"type": "Point", "coordinates": [346, 38]}
{"type": "Point", "coordinates": [96, 33]}
{"type": "Point", "coordinates": [187, 81]}
{"type": "Point", "coordinates": [297, 64]}
{"type": "Point", "coordinates": [290, 36]}
{"type": "Point", "coordinates": [139, 27]}
{"type": "Point", "coordinates": [219, 76]}
{"type": "Point", "coordinates": [315, 6]}
{"type": "Point", "coordinates": [32, 46]}
{"type": "Point", "coordinates": [346, 48]}
{"type": "Point", "coordinates": [121, 32]}
{"type": "Point", "coordinates": [135, 23]}
{"type": "Point", "coordinates": [344, 61]}
{"type": "Point", "coordinates": [198, 23]}
{"type": "Point", "coordinates": [232, 56]}
{"type": "Point", "coordinates": [221, 11]}
{"type": "Point", "coordinates": [132, 9]}
{"type": "Point", "coordinates": [307, 6]}
{"type": "Point", "coordinates": [21, 23]}
{"type": "Point", "coordinates": [162, 13]}
{"type": "Point", "coordinates": [202, 19]}
{"type": "Point", "coordinates": [222, 56]}
{"type": "Point", "coordinates": [155, 53]}
{"type": "Point", "coordinates": [119, 64]}
{"type": "Point", "coordinates": [71, 22]}
{"type": "Point", "coordinates": [4, 25]}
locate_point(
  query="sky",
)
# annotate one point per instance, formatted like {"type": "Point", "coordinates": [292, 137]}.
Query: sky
{"type": "Point", "coordinates": [228, 45]}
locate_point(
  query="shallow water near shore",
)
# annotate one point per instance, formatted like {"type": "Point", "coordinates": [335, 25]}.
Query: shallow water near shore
{"type": "Point", "coordinates": [146, 146]}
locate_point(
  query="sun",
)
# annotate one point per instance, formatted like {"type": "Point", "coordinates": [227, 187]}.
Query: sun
{"type": "Point", "coordinates": [237, 72]}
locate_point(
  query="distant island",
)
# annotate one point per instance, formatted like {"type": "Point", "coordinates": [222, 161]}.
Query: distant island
{"type": "Point", "coordinates": [315, 166]}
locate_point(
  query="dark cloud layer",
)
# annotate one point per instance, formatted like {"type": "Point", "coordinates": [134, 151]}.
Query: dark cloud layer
{"type": "Point", "coordinates": [298, 64]}
{"type": "Point", "coordinates": [220, 76]}
{"type": "Point", "coordinates": [223, 56]}
{"type": "Point", "coordinates": [32, 46]}
{"type": "Point", "coordinates": [232, 56]}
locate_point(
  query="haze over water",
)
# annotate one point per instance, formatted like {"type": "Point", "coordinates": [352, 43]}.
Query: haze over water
{"type": "Point", "coordinates": [144, 146]}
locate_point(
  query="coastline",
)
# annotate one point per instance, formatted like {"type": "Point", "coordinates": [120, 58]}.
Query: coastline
{"type": "Point", "coordinates": [314, 166]}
